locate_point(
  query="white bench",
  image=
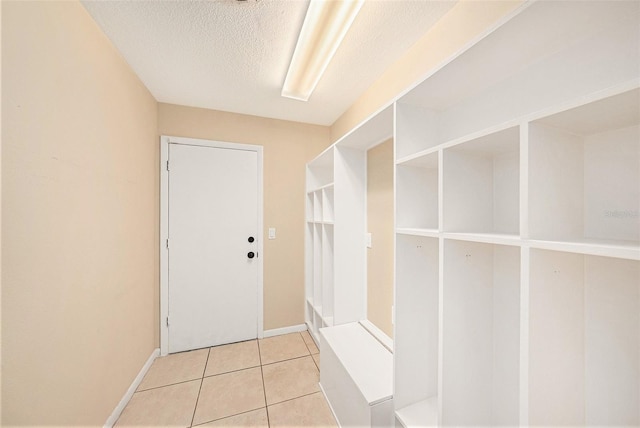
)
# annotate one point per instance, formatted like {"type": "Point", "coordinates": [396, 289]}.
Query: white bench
{"type": "Point", "coordinates": [356, 376]}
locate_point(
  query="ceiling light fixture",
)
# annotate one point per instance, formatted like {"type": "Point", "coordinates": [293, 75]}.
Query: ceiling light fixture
{"type": "Point", "coordinates": [324, 27]}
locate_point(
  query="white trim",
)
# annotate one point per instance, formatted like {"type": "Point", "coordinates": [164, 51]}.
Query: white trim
{"type": "Point", "coordinates": [379, 335]}
{"type": "Point", "coordinates": [113, 418]}
{"type": "Point", "coordinates": [285, 330]}
{"type": "Point", "coordinates": [164, 227]}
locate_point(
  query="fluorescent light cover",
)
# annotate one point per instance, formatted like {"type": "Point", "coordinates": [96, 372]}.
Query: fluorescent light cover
{"type": "Point", "coordinates": [324, 27]}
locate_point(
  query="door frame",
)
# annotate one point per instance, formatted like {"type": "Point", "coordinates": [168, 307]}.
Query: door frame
{"type": "Point", "coordinates": [164, 227]}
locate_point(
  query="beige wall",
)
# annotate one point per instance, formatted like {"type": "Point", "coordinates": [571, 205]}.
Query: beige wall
{"type": "Point", "coordinates": [0, 224]}
{"type": "Point", "coordinates": [287, 147]}
{"type": "Point", "coordinates": [464, 23]}
{"type": "Point", "coordinates": [380, 257]}
{"type": "Point", "coordinates": [79, 221]}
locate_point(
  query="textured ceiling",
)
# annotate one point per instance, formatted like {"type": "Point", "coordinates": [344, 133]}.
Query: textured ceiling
{"type": "Point", "coordinates": [233, 55]}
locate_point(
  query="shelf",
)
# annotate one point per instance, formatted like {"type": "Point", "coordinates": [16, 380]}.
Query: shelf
{"type": "Point", "coordinates": [323, 187]}
{"type": "Point", "coordinates": [410, 159]}
{"type": "Point", "coordinates": [584, 167]}
{"type": "Point", "coordinates": [584, 58]}
{"type": "Point", "coordinates": [421, 414]}
{"type": "Point", "coordinates": [596, 247]}
{"type": "Point", "coordinates": [370, 132]}
{"type": "Point", "coordinates": [320, 223]}
{"type": "Point", "coordinates": [481, 184]}
{"type": "Point", "coordinates": [432, 233]}
{"type": "Point", "coordinates": [487, 238]}
{"type": "Point", "coordinates": [417, 193]}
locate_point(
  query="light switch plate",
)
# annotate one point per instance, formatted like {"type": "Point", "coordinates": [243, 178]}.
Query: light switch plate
{"type": "Point", "coordinates": [272, 233]}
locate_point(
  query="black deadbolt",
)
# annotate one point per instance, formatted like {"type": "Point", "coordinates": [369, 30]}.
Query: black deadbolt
{"type": "Point", "coordinates": [251, 254]}
{"type": "Point", "coordinates": [251, 239]}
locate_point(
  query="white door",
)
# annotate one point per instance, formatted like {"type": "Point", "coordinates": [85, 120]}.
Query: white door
{"type": "Point", "coordinates": [212, 246]}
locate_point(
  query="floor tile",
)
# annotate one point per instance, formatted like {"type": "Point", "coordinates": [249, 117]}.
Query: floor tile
{"type": "Point", "coordinates": [316, 359]}
{"type": "Point", "coordinates": [280, 348]}
{"type": "Point", "coordinates": [254, 419]}
{"type": "Point", "coordinates": [161, 407]}
{"type": "Point", "coordinates": [229, 394]}
{"type": "Point", "coordinates": [310, 410]}
{"type": "Point", "coordinates": [290, 379]}
{"type": "Point", "coordinates": [232, 357]}
{"type": "Point", "coordinates": [306, 336]}
{"type": "Point", "coordinates": [175, 368]}
{"type": "Point", "coordinates": [313, 349]}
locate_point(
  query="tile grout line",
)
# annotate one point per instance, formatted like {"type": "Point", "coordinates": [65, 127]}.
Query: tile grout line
{"type": "Point", "coordinates": [295, 398]}
{"type": "Point", "coordinates": [264, 389]}
{"type": "Point", "coordinates": [200, 389]}
{"type": "Point", "coordinates": [228, 416]}
{"type": "Point", "coordinates": [288, 359]}
{"type": "Point", "coordinates": [305, 343]}
{"type": "Point", "coordinates": [232, 371]}
{"type": "Point", "coordinates": [317, 353]}
{"type": "Point", "coordinates": [169, 384]}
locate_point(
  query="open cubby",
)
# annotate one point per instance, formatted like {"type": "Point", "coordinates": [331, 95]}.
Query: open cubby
{"type": "Point", "coordinates": [309, 263]}
{"type": "Point", "coordinates": [317, 206]}
{"type": "Point", "coordinates": [320, 170]}
{"type": "Point", "coordinates": [417, 193]}
{"type": "Point", "coordinates": [416, 129]}
{"type": "Point", "coordinates": [585, 172]}
{"type": "Point", "coordinates": [327, 272]}
{"type": "Point", "coordinates": [309, 213]}
{"type": "Point", "coordinates": [417, 327]}
{"type": "Point", "coordinates": [317, 266]}
{"type": "Point", "coordinates": [481, 331]}
{"type": "Point", "coordinates": [327, 204]}
{"type": "Point", "coordinates": [481, 184]}
{"type": "Point", "coordinates": [584, 340]}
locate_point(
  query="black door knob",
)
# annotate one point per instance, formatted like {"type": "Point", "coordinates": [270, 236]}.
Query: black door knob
{"type": "Point", "coordinates": [251, 254]}
{"type": "Point", "coordinates": [251, 239]}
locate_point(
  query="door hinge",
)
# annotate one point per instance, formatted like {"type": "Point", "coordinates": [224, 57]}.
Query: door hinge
{"type": "Point", "coordinates": [167, 320]}
{"type": "Point", "coordinates": [167, 243]}
{"type": "Point", "coordinates": [167, 165]}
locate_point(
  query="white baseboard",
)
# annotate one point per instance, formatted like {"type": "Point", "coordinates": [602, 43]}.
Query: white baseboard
{"type": "Point", "coordinates": [134, 386]}
{"type": "Point", "coordinates": [285, 330]}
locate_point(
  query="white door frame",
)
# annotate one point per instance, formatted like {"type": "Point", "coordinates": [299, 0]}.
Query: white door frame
{"type": "Point", "coordinates": [164, 227]}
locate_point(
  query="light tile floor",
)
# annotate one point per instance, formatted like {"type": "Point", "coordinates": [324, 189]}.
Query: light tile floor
{"type": "Point", "coordinates": [259, 383]}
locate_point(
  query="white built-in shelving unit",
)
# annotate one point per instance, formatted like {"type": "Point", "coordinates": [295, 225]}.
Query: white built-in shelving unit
{"type": "Point", "coordinates": [517, 245]}
{"type": "Point", "coordinates": [320, 241]}
{"type": "Point", "coordinates": [336, 226]}
{"type": "Point", "coordinates": [517, 285]}
{"type": "Point", "coordinates": [357, 362]}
